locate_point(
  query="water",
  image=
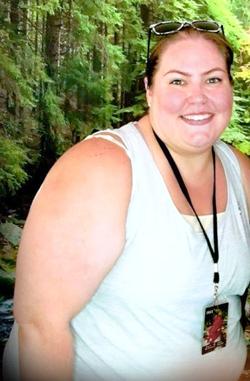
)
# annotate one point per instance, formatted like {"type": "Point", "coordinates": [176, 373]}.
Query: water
{"type": "Point", "coordinates": [6, 321]}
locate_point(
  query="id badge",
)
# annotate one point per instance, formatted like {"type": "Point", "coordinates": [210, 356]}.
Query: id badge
{"type": "Point", "coordinates": [215, 328]}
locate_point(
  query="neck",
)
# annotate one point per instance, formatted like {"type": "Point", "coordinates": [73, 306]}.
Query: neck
{"type": "Point", "coordinates": [194, 166]}
{"type": "Point", "coordinates": [193, 159]}
{"type": "Point", "coordinates": [188, 163]}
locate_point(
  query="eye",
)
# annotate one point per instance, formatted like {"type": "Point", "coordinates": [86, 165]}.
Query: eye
{"type": "Point", "coordinates": [178, 82]}
{"type": "Point", "coordinates": [214, 80]}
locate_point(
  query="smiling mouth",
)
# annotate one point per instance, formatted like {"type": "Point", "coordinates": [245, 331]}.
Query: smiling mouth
{"type": "Point", "coordinates": [197, 118]}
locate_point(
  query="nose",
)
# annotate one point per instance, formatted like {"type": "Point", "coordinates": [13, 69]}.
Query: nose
{"type": "Point", "coordinates": [197, 94]}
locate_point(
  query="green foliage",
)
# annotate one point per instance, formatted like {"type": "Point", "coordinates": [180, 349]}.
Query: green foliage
{"type": "Point", "coordinates": [46, 7]}
{"type": "Point", "coordinates": [11, 79]}
{"type": "Point", "coordinates": [179, 10]}
{"type": "Point", "coordinates": [52, 107]}
{"type": "Point", "coordinates": [244, 147]}
{"type": "Point", "coordinates": [241, 11]}
{"type": "Point", "coordinates": [235, 134]}
{"type": "Point", "coordinates": [13, 159]}
{"type": "Point", "coordinates": [223, 11]}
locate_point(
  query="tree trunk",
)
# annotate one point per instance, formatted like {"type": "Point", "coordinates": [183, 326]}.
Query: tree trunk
{"type": "Point", "coordinates": [53, 26]}
{"type": "Point", "coordinates": [52, 42]}
{"type": "Point", "coordinates": [14, 14]}
{"type": "Point", "coordinates": [145, 15]}
{"type": "Point", "coordinates": [24, 18]}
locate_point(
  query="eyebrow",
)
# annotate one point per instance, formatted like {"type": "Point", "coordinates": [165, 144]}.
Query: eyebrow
{"type": "Point", "coordinates": [189, 75]}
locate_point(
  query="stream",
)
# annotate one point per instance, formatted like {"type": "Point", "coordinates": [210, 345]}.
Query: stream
{"type": "Point", "coordinates": [6, 321]}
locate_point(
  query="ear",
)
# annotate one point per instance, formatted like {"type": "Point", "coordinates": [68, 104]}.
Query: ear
{"type": "Point", "coordinates": [148, 91]}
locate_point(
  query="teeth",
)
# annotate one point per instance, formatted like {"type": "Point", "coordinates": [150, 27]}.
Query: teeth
{"type": "Point", "coordinates": [197, 117]}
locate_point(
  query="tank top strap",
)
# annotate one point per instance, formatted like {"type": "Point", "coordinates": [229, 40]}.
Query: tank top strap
{"type": "Point", "coordinates": [111, 136]}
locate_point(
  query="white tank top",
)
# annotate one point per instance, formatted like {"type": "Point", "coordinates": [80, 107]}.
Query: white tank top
{"type": "Point", "coordinates": [145, 321]}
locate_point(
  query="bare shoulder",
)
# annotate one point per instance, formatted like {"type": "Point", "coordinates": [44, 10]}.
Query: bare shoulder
{"type": "Point", "coordinates": [91, 158]}
{"type": "Point", "coordinates": [88, 174]}
{"type": "Point", "coordinates": [74, 232]}
{"type": "Point", "coordinates": [244, 162]}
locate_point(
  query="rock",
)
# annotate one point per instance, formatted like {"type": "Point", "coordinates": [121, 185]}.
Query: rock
{"type": "Point", "coordinates": [11, 232]}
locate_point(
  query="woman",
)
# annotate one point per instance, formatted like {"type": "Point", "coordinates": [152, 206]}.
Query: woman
{"type": "Point", "coordinates": [129, 249]}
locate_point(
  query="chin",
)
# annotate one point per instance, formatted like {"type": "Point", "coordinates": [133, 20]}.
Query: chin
{"type": "Point", "coordinates": [202, 141]}
{"type": "Point", "coordinates": [200, 146]}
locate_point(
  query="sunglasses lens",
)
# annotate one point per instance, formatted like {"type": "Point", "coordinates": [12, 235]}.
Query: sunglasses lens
{"type": "Point", "coordinates": [168, 27]}
{"type": "Point", "coordinates": [206, 25]}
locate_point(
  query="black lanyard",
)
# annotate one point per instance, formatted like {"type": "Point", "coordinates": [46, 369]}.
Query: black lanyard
{"type": "Point", "coordinates": [213, 251]}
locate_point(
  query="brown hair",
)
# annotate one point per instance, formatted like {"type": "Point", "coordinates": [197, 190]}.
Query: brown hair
{"type": "Point", "coordinates": [217, 38]}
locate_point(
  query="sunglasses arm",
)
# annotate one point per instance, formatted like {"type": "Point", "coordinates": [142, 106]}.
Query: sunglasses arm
{"type": "Point", "coordinates": [148, 47]}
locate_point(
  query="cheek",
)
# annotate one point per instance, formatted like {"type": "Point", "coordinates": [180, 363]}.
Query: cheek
{"type": "Point", "coordinates": [224, 101]}
{"type": "Point", "coordinates": [172, 102]}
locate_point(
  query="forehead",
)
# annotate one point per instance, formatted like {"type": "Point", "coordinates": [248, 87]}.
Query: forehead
{"type": "Point", "coordinates": [194, 51]}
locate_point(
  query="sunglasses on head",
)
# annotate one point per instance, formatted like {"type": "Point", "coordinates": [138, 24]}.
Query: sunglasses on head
{"type": "Point", "coordinates": [169, 27]}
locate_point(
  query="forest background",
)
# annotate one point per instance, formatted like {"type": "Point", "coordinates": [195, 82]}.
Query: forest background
{"type": "Point", "coordinates": [68, 68]}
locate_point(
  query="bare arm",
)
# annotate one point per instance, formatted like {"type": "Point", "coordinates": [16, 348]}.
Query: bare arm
{"type": "Point", "coordinates": [245, 171]}
{"type": "Point", "coordinates": [73, 235]}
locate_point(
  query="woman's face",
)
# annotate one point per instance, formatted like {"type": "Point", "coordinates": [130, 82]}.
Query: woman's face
{"type": "Point", "coordinates": [191, 96]}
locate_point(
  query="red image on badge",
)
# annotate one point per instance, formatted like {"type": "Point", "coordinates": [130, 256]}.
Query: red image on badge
{"type": "Point", "coordinates": [215, 328]}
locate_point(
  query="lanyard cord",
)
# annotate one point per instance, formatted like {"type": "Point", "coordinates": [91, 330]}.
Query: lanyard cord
{"type": "Point", "coordinates": [214, 252]}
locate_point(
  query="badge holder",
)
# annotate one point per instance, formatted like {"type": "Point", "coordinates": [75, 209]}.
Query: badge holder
{"type": "Point", "coordinates": [215, 325]}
